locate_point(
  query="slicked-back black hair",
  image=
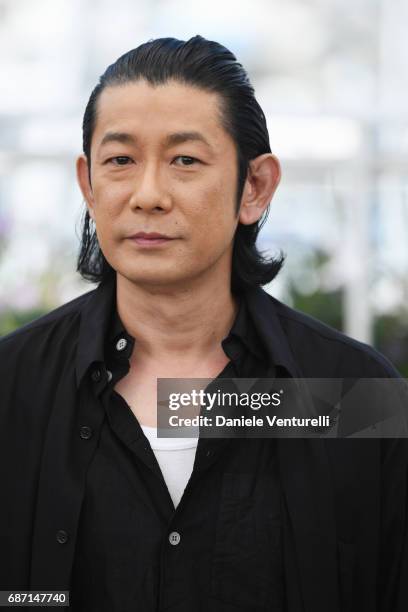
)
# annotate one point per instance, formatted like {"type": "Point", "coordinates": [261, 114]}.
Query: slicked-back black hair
{"type": "Point", "coordinates": [209, 66]}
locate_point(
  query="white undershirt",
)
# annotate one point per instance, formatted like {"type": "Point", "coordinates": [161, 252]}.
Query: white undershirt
{"type": "Point", "coordinates": [175, 457]}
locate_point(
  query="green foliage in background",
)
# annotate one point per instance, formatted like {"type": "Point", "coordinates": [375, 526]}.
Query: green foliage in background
{"type": "Point", "coordinates": [323, 306]}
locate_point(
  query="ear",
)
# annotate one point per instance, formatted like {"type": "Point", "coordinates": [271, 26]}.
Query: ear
{"type": "Point", "coordinates": [263, 178]}
{"type": "Point", "coordinates": [82, 171]}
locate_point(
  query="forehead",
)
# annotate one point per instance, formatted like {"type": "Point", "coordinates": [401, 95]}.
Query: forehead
{"type": "Point", "coordinates": [152, 112]}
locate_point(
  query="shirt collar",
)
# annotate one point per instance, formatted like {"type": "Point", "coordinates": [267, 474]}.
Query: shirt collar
{"type": "Point", "coordinates": [94, 325]}
{"type": "Point", "coordinates": [263, 312]}
{"type": "Point", "coordinates": [242, 335]}
{"type": "Point", "coordinates": [256, 327]}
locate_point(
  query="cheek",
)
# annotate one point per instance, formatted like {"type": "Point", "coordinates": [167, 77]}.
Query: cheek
{"type": "Point", "coordinates": [215, 218]}
{"type": "Point", "coordinates": [211, 237]}
{"type": "Point", "coordinates": [110, 201]}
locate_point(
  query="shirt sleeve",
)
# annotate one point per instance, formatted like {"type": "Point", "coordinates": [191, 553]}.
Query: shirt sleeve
{"type": "Point", "coordinates": [393, 558]}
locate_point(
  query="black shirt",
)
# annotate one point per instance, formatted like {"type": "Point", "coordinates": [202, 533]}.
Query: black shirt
{"type": "Point", "coordinates": [333, 511]}
{"type": "Point", "coordinates": [229, 548]}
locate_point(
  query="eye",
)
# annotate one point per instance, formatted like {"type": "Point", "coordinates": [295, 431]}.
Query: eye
{"type": "Point", "coordinates": [187, 160]}
{"type": "Point", "coordinates": [119, 160]}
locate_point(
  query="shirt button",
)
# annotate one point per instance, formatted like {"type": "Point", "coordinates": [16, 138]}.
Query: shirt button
{"type": "Point", "coordinates": [96, 375]}
{"type": "Point", "coordinates": [85, 432]}
{"type": "Point", "coordinates": [62, 536]}
{"type": "Point", "coordinates": [174, 538]}
{"type": "Point", "coordinates": [109, 373]}
{"type": "Point", "coordinates": [121, 344]}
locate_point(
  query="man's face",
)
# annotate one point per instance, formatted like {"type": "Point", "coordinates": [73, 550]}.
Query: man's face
{"type": "Point", "coordinates": [161, 162]}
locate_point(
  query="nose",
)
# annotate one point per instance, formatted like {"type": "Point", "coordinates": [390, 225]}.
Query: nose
{"type": "Point", "coordinates": [149, 194]}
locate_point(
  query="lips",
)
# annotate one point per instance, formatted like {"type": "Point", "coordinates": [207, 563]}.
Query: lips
{"type": "Point", "coordinates": [150, 239]}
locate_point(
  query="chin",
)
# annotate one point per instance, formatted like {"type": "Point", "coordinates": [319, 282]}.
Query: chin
{"type": "Point", "coordinates": [155, 278]}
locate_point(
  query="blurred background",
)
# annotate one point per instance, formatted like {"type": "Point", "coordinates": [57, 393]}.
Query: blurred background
{"type": "Point", "coordinates": [331, 77]}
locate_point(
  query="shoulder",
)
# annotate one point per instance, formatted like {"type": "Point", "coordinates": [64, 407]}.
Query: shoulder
{"type": "Point", "coordinates": [45, 332]}
{"type": "Point", "coordinates": [321, 350]}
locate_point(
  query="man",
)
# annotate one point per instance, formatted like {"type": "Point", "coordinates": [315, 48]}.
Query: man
{"type": "Point", "coordinates": [177, 175]}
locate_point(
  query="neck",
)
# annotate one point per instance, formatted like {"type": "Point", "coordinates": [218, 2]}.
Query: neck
{"type": "Point", "coordinates": [183, 323]}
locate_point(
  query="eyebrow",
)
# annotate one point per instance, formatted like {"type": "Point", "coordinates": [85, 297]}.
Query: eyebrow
{"type": "Point", "coordinates": [171, 139]}
{"type": "Point", "coordinates": [122, 137]}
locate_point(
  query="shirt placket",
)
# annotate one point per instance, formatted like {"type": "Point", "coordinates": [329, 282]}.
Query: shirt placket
{"type": "Point", "coordinates": [70, 443]}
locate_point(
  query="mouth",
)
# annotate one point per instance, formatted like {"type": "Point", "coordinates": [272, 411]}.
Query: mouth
{"type": "Point", "coordinates": [150, 239]}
